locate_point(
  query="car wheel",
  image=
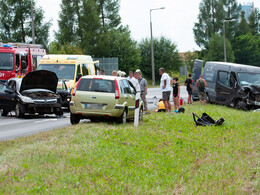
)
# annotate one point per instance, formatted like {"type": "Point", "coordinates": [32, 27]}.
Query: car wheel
{"type": "Point", "coordinates": [240, 105]}
{"type": "Point", "coordinates": [4, 113]}
{"type": "Point", "coordinates": [74, 119]}
{"type": "Point", "coordinates": [19, 113]}
{"type": "Point", "coordinates": [141, 114]}
{"type": "Point", "coordinates": [122, 118]}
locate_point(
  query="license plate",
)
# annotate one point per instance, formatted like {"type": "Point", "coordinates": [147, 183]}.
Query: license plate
{"type": "Point", "coordinates": [93, 106]}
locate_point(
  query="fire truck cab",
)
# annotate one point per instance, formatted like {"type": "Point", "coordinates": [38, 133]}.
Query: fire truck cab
{"type": "Point", "coordinates": [17, 59]}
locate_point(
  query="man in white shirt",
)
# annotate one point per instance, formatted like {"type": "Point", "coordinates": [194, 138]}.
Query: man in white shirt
{"type": "Point", "coordinates": [165, 86]}
{"type": "Point", "coordinates": [134, 81]}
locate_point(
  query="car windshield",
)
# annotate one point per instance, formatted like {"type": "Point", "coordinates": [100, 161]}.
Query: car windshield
{"type": "Point", "coordinates": [6, 61]}
{"type": "Point", "coordinates": [248, 78]}
{"type": "Point", "coordinates": [97, 85]}
{"type": "Point", "coordinates": [63, 71]}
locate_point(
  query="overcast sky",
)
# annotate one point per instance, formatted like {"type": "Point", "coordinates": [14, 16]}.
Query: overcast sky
{"type": "Point", "coordinates": [175, 22]}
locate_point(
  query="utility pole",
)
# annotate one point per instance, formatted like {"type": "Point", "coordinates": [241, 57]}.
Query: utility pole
{"type": "Point", "coordinates": [32, 15]}
{"type": "Point", "coordinates": [152, 50]}
{"type": "Point", "coordinates": [224, 35]}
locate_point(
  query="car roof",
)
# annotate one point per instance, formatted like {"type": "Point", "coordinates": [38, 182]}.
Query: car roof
{"type": "Point", "coordinates": [103, 77]}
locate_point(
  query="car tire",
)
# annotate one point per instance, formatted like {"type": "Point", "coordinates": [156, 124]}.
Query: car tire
{"type": "Point", "coordinates": [19, 113]}
{"type": "Point", "coordinates": [123, 117]}
{"type": "Point", "coordinates": [141, 112]}
{"type": "Point", "coordinates": [208, 99]}
{"type": "Point", "coordinates": [74, 119]}
{"type": "Point", "coordinates": [4, 113]}
{"type": "Point", "coordinates": [240, 105]}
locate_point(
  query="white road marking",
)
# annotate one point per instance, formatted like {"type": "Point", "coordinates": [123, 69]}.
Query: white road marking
{"type": "Point", "coordinates": [46, 120]}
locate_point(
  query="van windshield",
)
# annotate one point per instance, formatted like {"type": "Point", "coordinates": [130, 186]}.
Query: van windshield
{"type": "Point", "coordinates": [248, 78]}
{"type": "Point", "coordinates": [6, 61]}
{"type": "Point", "coordinates": [63, 71]}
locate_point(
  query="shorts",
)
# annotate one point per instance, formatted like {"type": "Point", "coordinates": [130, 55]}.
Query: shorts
{"type": "Point", "coordinates": [166, 95]}
{"type": "Point", "coordinates": [175, 95]}
{"type": "Point", "coordinates": [189, 91]}
{"type": "Point", "coordinates": [202, 95]}
{"type": "Point", "coordinates": [161, 110]}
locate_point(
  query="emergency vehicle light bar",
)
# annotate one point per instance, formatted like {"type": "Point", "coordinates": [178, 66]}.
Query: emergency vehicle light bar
{"type": "Point", "coordinates": [21, 45]}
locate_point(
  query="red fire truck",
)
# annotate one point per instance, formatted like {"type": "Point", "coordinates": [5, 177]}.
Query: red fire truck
{"type": "Point", "coordinates": [17, 59]}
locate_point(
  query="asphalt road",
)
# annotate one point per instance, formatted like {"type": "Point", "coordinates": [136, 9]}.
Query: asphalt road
{"type": "Point", "coordinates": [11, 127]}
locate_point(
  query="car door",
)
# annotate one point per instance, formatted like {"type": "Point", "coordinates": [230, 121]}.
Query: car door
{"type": "Point", "coordinates": [224, 88]}
{"type": "Point", "coordinates": [123, 96]}
{"type": "Point", "coordinates": [196, 72]}
{"type": "Point", "coordinates": [7, 99]}
{"type": "Point", "coordinates": [131, 97]}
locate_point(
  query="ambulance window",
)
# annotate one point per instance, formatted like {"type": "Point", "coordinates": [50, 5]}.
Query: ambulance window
{"type": "Point", "coordinates": [78, 69]}
{"type": "Point", "coordinates": [85, 69]}
{"type": "Point", "coordinates": [17, 61]}
{"type": "Point", "coordinates": [34, 58]}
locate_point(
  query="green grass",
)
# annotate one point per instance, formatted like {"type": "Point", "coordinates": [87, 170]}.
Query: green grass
{"type": "Point", "coordinates": [167, 153]}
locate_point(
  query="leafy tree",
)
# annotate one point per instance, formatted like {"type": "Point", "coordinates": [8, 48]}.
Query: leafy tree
{"type": "Point", "coordinates": [189, 58]}
{"type": "Point", "coordinates": [55, 48]}
{"type": "Point", "coordinates": [210, 21]}
{"type": "Point", "coordinates": [109, 14]}
{"type": "Point", "coordinates": [247, 49]}
{"type": "Point", "coordinates": [15, 22]}
{"type": "Point", "coordinates": [216, 49]}
{"type": "Point", "coordinates": [165, 55]}
{"type": "Point", "coordinates": [254, 21]}
{"type": "Point", "coordinates": [231, 11]}
{"type": "Point", "coordinates": [243, 27]}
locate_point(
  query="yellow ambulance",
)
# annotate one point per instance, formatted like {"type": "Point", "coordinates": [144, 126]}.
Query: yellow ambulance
{"type": "Point", "coordinates": [69, 67]}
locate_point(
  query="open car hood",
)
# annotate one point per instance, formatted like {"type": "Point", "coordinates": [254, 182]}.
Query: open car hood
{"type": "Point", "coordinates": [40, 79]}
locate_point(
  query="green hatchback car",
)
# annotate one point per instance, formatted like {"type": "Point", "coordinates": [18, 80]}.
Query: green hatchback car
{"type": "Point", "coordinates": [96, 97]}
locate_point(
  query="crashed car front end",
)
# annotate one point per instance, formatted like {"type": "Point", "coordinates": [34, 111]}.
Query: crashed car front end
{"type": "Point", "coordinates": [252, 98]}
{"type": "Point", "coordinates": [40, 101]}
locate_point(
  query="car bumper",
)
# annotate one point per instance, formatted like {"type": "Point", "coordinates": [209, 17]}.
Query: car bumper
{"type": "Point", "coordinates": [42, 108]}
{"type": "Point", "coordinates": [116, 112]}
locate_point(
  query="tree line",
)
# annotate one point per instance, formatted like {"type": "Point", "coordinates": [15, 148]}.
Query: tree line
{"type": "Point", "coordinates": [242, 36]}
{"type": "Point", "coordinates": [94, 27]}
{"type": "Point", "coordinates": [91, 27]}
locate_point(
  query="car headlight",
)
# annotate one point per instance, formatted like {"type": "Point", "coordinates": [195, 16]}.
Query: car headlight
{"type": "Point", "coordinates": [26, 99]}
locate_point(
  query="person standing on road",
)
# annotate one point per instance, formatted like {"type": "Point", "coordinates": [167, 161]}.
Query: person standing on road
{"type": "Point", "coordinates": [165, 86]}
{"type": "Point", "coordinates": [133, 80]}
{"type": "Point", "coordinates": [143, 88]}
{"type": "Point", "coordinates": [190, 89]}
{"type": "Point", "coordinates": [176, 94]}
{"type": "Point", "coordinates": [201, 84]}
{"type": "Point", "coordinates": [137, 87]}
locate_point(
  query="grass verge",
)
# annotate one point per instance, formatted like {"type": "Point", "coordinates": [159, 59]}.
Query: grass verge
{"type": "Point", "coordinates": [166, 154]}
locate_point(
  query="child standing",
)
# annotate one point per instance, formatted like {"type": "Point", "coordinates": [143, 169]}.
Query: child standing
{"type": "Point", "coordinates": [176, 93]}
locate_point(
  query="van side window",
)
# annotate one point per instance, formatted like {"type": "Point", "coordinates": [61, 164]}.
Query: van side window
{"type": "Point", "coordinates": [224, 78]}
{"type": "Point", "coordinates": [78, 69]}
{"type": "Point", "coordinates": [85, 69]}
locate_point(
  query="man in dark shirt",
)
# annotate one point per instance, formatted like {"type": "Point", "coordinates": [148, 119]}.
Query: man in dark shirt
{"type": "Point", "coordinates": [188, 83]}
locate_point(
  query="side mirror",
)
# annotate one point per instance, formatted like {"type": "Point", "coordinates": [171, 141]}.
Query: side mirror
{"type": "Point", "coordinates": [9, 91]}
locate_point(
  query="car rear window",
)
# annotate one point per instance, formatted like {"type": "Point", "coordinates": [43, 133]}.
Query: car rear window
{"type": "Point", "coordinates": [97, 85]}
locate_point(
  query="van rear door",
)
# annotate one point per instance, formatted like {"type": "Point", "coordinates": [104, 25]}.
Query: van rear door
{"type": "Point", "coordinates": [196, 72]}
